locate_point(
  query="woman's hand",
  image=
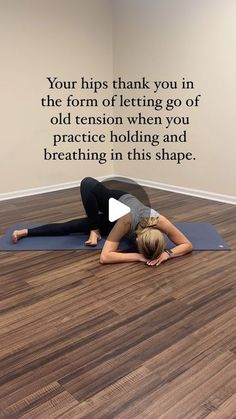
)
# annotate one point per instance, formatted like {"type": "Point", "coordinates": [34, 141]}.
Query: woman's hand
{"type": "Point", "coordinates": [162, 258]}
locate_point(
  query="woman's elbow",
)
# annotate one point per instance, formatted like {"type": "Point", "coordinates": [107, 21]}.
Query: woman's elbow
{"type": "Point", "coordinates": [103, 258]}
{"type": "Point", "coordinates": [189, 247]}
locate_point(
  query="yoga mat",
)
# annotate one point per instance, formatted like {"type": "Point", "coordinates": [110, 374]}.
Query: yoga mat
{"type": "Point", "coordinates": [202, 235]}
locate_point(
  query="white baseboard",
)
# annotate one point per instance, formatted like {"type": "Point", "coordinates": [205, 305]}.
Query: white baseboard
{"type": "Point", "coordinates": [228, 199]}
{"type": "Point", "coordinates": [149, 183]}
{"type": "Point", "coordinates": [43, 189]}
{"type": "Point", "coordinates": [37, 191]}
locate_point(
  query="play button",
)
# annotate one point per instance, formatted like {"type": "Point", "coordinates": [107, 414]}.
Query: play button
{"type": "Point", "coordinates": [116, 209]}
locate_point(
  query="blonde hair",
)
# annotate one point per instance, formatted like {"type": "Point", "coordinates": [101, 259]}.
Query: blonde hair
{"type": "Point", "coordinates": [150, 240]}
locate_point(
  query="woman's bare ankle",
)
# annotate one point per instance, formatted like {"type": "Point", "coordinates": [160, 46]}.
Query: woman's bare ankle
{"type": "Point", "coordinates": [97, 232]}
{"type": "Point", "coordinates": [19, 234]}
{"type": "Point", "coordinates": [94, 237]}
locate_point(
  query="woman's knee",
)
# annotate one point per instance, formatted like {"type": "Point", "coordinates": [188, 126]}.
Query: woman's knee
{"type": "Point", "coordinates": [88, 182]}
{"type": "Point", "coordinates": [88, 187]}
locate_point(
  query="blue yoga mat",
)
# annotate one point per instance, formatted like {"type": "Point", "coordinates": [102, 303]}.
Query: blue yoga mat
{"type": "Point", "coordinates": [202, 235]}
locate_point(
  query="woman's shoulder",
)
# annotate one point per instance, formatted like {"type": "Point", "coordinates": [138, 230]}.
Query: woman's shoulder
{"type": "Point", "coordinates": [126, 219]}
{"type": "Point", "coordinates": [164, 224]}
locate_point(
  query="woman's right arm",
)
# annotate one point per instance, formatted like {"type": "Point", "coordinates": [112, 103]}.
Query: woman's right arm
{"type": "Point", "coordinates": [110, 253]}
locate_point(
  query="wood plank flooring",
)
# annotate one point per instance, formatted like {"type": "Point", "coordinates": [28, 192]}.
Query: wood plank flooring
{"type": "Point", "coordinates": [84, 340]}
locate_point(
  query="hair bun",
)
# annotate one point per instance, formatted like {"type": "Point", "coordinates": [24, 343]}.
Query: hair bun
{"type": "Point", "coordinates": [147, 222]}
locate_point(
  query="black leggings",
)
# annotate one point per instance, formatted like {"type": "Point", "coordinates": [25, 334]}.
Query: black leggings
{"type": "Point", "coordinates": [95, 197]}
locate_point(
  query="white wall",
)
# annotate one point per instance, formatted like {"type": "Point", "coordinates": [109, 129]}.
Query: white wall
{"type": "Point", "coordinates": [162, 39]}
{"type": "Point", "coordinates": [171, 39]}
{"type": "Point", "coordinates": [45, 38]}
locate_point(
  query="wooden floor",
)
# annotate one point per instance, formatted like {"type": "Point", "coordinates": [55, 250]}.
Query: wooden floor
{"type": "Point", "coordinates": [84, 340]}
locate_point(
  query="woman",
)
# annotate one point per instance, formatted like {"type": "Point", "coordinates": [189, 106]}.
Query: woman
{"type": "Point", "coordinates": [142, 224]}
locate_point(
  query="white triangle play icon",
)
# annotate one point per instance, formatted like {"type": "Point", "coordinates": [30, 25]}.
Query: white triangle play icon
{"type": "Point", "coordinates": [116, 209]}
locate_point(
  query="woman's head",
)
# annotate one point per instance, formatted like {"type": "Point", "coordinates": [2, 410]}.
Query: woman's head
{"type": "Point", "coordinates": [150, 240]}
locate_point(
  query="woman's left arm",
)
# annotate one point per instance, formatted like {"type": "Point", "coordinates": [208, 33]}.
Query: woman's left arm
{"type": "Point", "coordinates": [182, 244]}
{"type": "Point", "coordinates": [110, 252]}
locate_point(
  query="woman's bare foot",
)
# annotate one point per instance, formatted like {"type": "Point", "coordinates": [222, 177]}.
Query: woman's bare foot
{"type": "Point", "coordinates": [94, 237]}
{"type": "Point", "coordinates": [18, 234]}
